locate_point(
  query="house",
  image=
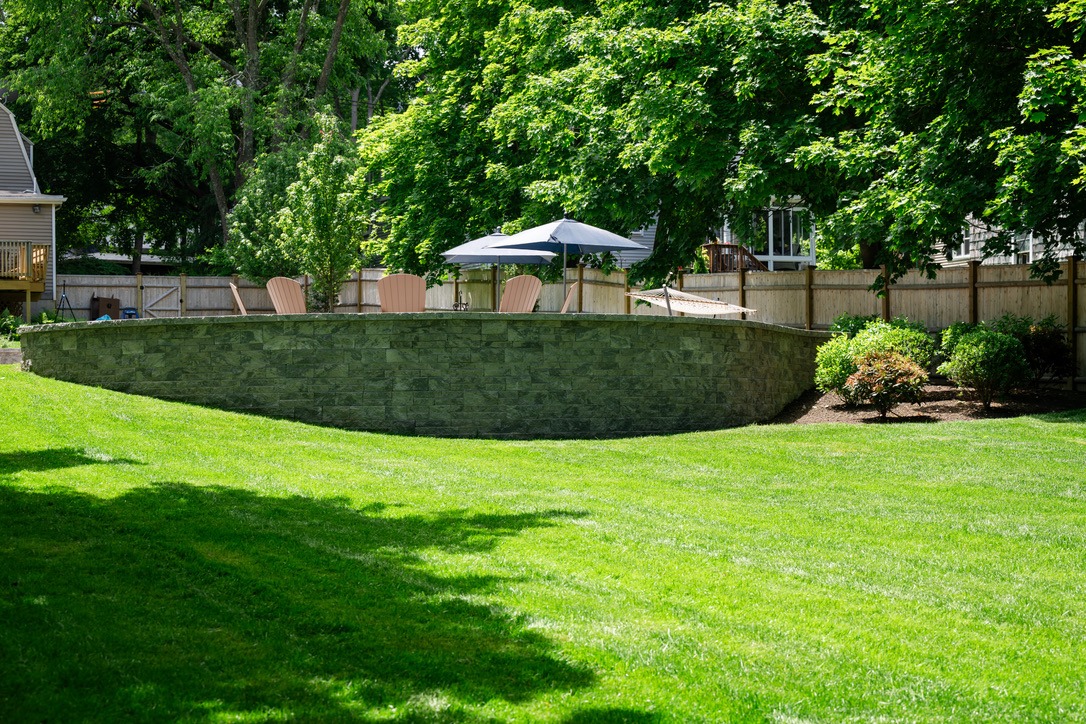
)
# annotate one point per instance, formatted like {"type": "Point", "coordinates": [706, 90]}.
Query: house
{"type": "Point", "coordinates": [783, 241]}
{"type": "Point", "coordinates": [27, 223]}
{"type": "Point", "coordinates": [1027, 247]}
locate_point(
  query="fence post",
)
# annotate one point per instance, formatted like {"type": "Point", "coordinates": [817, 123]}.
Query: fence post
{"type": "Point", "coordinates": [626, 289]}
{"type": "Point", "coordinates": [885, 293]}
{"type": "Point", "coordinates": [139, 294]}
{"type": "Point", "coordinates": [580, 287]}
{"type": "Point", "coordinates": [680, 286]}
{"type": "Point", "coordinates": [358, 286]}
{"type": "Point", "coordinates": [809, 303]}
{"type": "Point", "coordinates": [974, 270]}
{"type": "Point", "coordinates": [742, 290]}
{"type": "Point", "coordinates": [494, 288]}
{"type": "Point", "coordinates": [1072, 315]}
{"type": "Point", "coordinates": [184, 293]}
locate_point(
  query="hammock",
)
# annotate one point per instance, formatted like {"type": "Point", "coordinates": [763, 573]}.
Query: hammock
{"type": "Point", "coordinates": [687, 303]}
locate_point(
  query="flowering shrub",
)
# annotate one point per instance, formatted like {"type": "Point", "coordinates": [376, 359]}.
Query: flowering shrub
{"type": "Point", "coordinates": [886, 379]}
{"type": "Point", "coordinates": [837, 359]}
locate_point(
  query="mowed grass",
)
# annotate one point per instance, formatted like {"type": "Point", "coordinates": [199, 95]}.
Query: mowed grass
{"type": "Point", "coordinates": [167, 562]}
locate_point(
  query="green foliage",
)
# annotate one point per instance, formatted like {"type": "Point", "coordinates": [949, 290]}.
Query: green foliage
{"type": "Point", "coordinates": [319, 225]}
{"type": "Point", "coordinates": [1045, 343]}
{"type": "Point", "coordinates": [9, 325]}
{"type": "Point", "coordinates": [90, 265]}
{"type": "Point", "coordinates": [837, 360]}
{"type": "Point", "coordinates": [833, 258]}
{"type": "Point", "coordinates": [834, 363]}
{"type": "Point", "coordinates": [952, 335]}
{"type": "Point", "coordinates": [903, 338]}
{"type": "Point", "coordinates": [150, 114]}
{"type": "Point", "coordinates": [257, 248]}
{"type": "Point", "coordinates": [886, 379]}
{"type": "Point", "coordinates": [988, 362]}
{"type": "Point", "coordinates": [851, 324]}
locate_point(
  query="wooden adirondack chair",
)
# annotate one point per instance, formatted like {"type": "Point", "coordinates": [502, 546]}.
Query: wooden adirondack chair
{"type": "Point", "coordinates": [521, 294]}
{"type": "Point", "coordinates": [286, 295]}
{"type": "Point", "coordinates": [570, 296]}
{"type": "Point", "coordinates": [402, 293]}
{"type": "Point", "coordinates": [237, 299]}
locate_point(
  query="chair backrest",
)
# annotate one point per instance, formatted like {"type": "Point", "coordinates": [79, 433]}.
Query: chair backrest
{"type": "Point", "coordinates": [570, 295]}
{"type": "Point", "coordinates": [402, 293]}
{"type": "Point", "coordinates": [237, 298]}
{"type": "Point", "coordinates": [286, 295]}
{"type": "Point", "coordinates": [521, 294]}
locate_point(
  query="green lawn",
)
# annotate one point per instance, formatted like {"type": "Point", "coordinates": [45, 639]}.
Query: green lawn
{"type": "Point", "coordinates": [163, 562]}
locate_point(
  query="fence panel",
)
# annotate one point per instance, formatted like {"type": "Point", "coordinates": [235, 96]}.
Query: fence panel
{"type": "Point", "coordinates": [937, 302]}
{"type": "Point", "coordinates": [1008, 289]}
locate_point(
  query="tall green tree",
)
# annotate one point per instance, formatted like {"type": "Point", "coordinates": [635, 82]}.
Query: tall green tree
{"type": "Point", "coordinates": [615, 112]}
{"type": "Point", "coordinates": [320, 225]}
{"type": "Point", "coordinates": [935, 127]}
{"type": "Point", "coordinates": [219, 83]}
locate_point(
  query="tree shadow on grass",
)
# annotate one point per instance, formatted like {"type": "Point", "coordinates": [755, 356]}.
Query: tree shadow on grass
{"type": "Point", "coordinates": [51, 459]}
{"type": "Point", "coordinates": [177, 601]}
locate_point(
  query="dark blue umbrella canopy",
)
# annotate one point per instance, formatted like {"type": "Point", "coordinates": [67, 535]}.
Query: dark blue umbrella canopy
{"type": "Point", "coordinates": [489, 250]}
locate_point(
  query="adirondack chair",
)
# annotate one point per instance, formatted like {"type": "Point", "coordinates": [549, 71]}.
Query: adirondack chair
{"type": "Point", "coordinates": [570, 296]}
{"type": "Point", "coordinates": [237, 299]}
{"type": "Point", "coordinates": [286, 295]}
{"type": "Point", "coordinates": [402, 293]}
{"type": "Point", "coordinates": [521, 294]}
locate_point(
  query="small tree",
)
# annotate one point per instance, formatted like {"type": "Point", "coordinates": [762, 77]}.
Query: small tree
{"type": "Point", "coordinates": [320, 224]}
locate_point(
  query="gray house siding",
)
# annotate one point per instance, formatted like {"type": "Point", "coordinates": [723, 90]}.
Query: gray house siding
{"type": "Point", "coordinates": [15, 174]}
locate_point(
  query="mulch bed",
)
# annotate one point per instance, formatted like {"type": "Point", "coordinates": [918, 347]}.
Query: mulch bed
{"type": "Point", "coordinates": [942, 403]}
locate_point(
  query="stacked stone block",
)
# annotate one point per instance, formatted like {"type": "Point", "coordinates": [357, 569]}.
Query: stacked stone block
{"type": "Point", "coordinates": [448, 374]}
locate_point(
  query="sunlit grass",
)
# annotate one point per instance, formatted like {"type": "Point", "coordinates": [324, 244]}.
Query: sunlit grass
{"type": "Point", "coordinates": [160, 561]}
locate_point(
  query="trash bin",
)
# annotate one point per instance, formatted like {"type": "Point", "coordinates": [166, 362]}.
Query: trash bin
{"type": "Point", "coordinates": [129, 313]}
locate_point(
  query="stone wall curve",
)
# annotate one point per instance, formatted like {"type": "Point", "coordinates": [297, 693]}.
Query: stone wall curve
{"type": "Point", "coordinates": [448, 374]}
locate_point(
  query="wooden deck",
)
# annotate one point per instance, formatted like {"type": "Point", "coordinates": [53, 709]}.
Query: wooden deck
{"type": "Point", "coordinates": [23, 271]}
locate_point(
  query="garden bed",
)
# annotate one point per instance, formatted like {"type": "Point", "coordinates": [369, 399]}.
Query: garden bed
{"type": "Point", "coordinates": [942, 403]}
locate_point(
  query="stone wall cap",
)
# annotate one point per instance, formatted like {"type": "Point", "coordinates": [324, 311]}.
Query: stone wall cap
{"type": "Point", "coordinates": [417, 316]}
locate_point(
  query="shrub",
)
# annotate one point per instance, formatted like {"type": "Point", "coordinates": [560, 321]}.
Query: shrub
{"type": "Point", "coordinates": [9, 325]}
{"type": "Point", "coordinates": [987, 362]}
{"type": "Point", "coordinates": [906, 340]}
{"type": "Point", "coordinates": [1045, 343]}
{"type": "Point", "coordinates": [906, 323]}
{"type": "Point", "coordinates": [952, 335]}
{"type": "Point", "coordinates": [836, 360]}
{"type": "Point", "coordinates": [851, 324]}
{"type": "Point", "coordinates": [886, 379]}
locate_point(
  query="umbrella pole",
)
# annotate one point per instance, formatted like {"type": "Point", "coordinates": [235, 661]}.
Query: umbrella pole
{"type": "Point", "coordinates": [564, 274]}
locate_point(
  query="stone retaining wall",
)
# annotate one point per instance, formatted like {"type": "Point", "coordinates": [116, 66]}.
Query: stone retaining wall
{"type": "Point", "coordinates": [447, 374]}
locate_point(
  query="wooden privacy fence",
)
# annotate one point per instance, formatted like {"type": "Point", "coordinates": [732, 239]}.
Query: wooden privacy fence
{"type": "Point", "coordinates": [809, 299]}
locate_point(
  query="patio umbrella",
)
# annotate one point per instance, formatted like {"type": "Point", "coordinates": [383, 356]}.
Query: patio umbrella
{"type": "Point", "coordinates": [568, 236]}
{"type": "Point", "coordinates": [488, 250]}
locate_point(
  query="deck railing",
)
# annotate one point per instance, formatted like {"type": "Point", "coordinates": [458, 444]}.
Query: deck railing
{"type": "Point", "coordinates": [23, 260]}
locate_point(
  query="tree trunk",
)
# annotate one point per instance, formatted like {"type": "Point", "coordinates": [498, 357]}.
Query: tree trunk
{"type": "Point", "coordinates": [333, 47]}
{"type": "Point", "coordinates": [137, 253]}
